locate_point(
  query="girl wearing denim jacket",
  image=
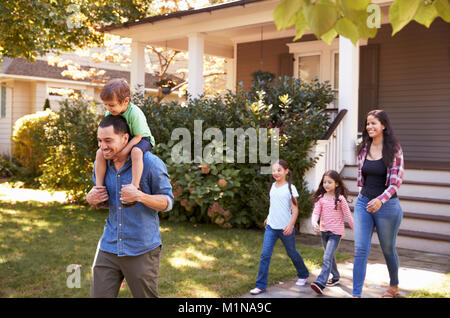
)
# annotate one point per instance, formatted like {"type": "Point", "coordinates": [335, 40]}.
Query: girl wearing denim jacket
{"type": "Point", "coordinates": [380, 174]}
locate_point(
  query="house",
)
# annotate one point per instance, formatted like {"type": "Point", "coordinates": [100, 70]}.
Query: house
{"type": "Point", "coordinates": [408, 75]}
{"type": "Point", "coordinates": [25, 87]}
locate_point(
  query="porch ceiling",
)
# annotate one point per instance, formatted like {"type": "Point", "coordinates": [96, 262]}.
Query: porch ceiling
{"type": "Point", "coordinates": [222, 27]}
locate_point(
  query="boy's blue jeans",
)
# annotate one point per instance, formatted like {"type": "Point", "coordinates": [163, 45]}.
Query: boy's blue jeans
{"type": "Point", "coordinates": [387, 222]}
{"type": "Point", "coordinates": [330, 242]}
{"type": "Point", "coordinates": [270, 238]}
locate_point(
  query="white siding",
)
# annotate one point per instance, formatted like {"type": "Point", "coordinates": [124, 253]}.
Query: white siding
{"type": "Point", "coordinates": [5, 125]}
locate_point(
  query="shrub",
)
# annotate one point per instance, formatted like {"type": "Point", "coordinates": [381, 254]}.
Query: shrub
{"type": "Point", "coordinates": [237, 194]}
{"type": "Point", "coordinates": [73, 143]}
{"type": "Point", "coordinates": [7, 168]}
{"type": "Point", "coordinates": [29, 142]}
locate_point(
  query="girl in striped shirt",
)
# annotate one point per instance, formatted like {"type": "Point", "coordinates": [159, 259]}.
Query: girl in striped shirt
{"type": "Point", "coordinates": [331, 208]}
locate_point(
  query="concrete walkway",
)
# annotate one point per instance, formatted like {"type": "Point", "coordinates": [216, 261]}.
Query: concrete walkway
{"type": "Point", "coordinates": [417, 271]}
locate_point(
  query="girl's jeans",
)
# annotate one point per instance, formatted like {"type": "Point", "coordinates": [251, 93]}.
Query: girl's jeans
{"type": "Point", "coordinates": [330, 242]}
{"type": "Point", "coordinates": [387, 222]}
{"type": "Point", "coordinates": [270, 238]}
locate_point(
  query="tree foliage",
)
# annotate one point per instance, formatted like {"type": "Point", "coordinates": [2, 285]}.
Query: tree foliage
{"type": "Point", "coordinates": [30, 28]}
{"type": "Point", "coordinates": [354, 19]}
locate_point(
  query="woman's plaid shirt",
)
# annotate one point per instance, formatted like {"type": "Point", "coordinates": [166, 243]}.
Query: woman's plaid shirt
{"type": "Point", "coordinates": [394, 175]}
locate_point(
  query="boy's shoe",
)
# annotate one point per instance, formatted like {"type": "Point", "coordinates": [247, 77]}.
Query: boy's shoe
{"type": "Point", "coordinates": [317, 287]}
{"type": "Point", "coordinates": [256, 291]}
{"type": "Point", "coordinates": [124, 204]}
{"type": "Point", "coordinates": [301, 282]}
{"type": "Point", "coordinates": [103, 205]}
{"type": "Point", "coordinates": [333, 282]}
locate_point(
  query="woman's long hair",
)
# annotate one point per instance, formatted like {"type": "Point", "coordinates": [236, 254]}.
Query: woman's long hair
{"type": "Point", "coordinates": [390, 142]}
{"type": "Point", "coordinates": [341, 189]}
{"type": "Point", "coordinates": [285, 166]}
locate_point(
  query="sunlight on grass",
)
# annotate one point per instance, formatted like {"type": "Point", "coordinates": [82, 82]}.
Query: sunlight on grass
{"type": "Point", "coordinates": [190, 258]}
{"type": "Point", "coordinates": [440, 289]}
{"type": "Point", "coordinates": [196, 290]}
{"type": "Point", "coordinates": [11, 193]}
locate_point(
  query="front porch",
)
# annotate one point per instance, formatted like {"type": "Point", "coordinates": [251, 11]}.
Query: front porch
{"type": "Point", "coordinates": [411, 82]}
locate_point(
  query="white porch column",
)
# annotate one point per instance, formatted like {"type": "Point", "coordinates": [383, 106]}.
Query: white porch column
{"type": "Point", "coordinates": [137, 69]}
{"type": "Point", "coordinates": [195, 64]}
{"type": "Point", "coordinates": [231, 75]}
{"type": "Point", "coordinates": [348, 96]}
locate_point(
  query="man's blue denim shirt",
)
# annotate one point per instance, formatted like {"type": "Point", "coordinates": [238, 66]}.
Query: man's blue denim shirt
{"type": "Point", "coordinates": [134, 231]}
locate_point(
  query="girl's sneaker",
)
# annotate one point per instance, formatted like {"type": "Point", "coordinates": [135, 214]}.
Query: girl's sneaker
{"type": "Point", "coordinates": [333, 282]}
{"type": "Point", "coordinates": [317, 287]}
{"type": "Point", "coordinates": [256, 291]}
{"type": "Point", "coordinates": [301, 282]}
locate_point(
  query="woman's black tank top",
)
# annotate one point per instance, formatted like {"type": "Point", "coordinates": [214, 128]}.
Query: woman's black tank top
{"type": "Point", "coordinates": [374, 173]}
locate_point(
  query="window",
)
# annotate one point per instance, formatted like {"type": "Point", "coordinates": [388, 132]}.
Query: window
{"type": "Point", "coordinates": [3, 102]}
{"type": "Point", "coordinates": [309, 67]}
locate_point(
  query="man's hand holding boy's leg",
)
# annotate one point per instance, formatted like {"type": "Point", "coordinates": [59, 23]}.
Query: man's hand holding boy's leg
{"type": "Point", "coordinates": [97, 195]}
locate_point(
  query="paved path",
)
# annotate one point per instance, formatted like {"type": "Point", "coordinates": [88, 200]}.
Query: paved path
{"type": "Point", "coordinates": [417, 270]}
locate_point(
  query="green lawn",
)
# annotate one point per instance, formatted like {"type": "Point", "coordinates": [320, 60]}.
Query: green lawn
{"type": "Point", "coordinates": [439, 289]}
{"type": "Point", "coordinates": [39, 241]}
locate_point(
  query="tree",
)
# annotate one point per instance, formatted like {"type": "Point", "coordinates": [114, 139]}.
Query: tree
{"type": "Point", "coordinates": [29, 28]}
{"type": "Point", "coordinates": [117, 50]}
{"type": "Point", "coordinates": [32, 28]}
{"type": "Point", "coordinates": [354, 19]}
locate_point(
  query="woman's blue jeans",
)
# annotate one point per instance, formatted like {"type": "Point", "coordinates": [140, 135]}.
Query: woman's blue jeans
{"type": "Point", "coordinates": [387, 222]}
{"type": "Point", "coordinates": [330, 242]}
{"type": "Point", "coordinates": [270, 238]}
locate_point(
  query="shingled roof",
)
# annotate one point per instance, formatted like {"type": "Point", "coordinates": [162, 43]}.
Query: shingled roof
{"type": "Point", "coordinates": [41, 69]}
{"type": "Point", "coordinates": [180, 14]}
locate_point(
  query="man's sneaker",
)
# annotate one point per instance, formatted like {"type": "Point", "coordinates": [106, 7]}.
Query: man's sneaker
{"type": "Point", "coordinates": [317, 287]}
{"type": "Point", "coordinates": [301, 282]}
{"type": "Point", "coordinates": [333, 282]}
{"type": "Point", "coordinates": [256, 291]}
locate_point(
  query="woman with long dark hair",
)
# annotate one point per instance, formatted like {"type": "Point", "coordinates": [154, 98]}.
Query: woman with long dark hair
{"type": "Point", "coordinates": [380, 174]}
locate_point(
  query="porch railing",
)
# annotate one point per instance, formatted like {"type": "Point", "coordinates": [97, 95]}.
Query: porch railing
{"type": "Point", "coordinates": [332, 143]}
{"type": "Point", "coordinates": [328, 150]}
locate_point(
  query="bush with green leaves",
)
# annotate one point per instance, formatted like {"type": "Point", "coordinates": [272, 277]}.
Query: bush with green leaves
{"type": "Point", "coordinates": [29, 143]}
{"type": "Point", "coordinates": [72, 141]}
{"type": "Point", "coordinates": [237, 194]}
{"type": "Point", "coordinates": [7, 167]}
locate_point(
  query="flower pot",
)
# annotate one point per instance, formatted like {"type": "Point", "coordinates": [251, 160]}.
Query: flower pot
{"type": "Point", "coordinates": [166, 90]}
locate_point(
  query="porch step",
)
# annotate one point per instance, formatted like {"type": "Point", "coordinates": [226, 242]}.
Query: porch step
{"type": "Point", "coordinates": [426, 191]}
{"type": "Point", "coordinates": [421, 176]}
{"type": "Point", "coordinates": [437, 225]}
{"type": "Point", "coordinates": [425, 201]}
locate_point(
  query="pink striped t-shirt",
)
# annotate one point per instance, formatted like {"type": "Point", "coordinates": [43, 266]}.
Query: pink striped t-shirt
{"type": "Point", "coordinates": [331, 219]}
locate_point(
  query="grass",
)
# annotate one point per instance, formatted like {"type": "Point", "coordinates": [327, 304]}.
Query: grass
{"type": "Point", "coordinates": [38, 241]}
{"type": "Point", "coordinates": [437, 290]}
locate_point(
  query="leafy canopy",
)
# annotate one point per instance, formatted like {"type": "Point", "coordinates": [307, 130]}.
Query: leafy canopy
{"type": "Point", "coordinates": [30, 28]}
{"type": "Point", "coordinates": [354, 19]}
